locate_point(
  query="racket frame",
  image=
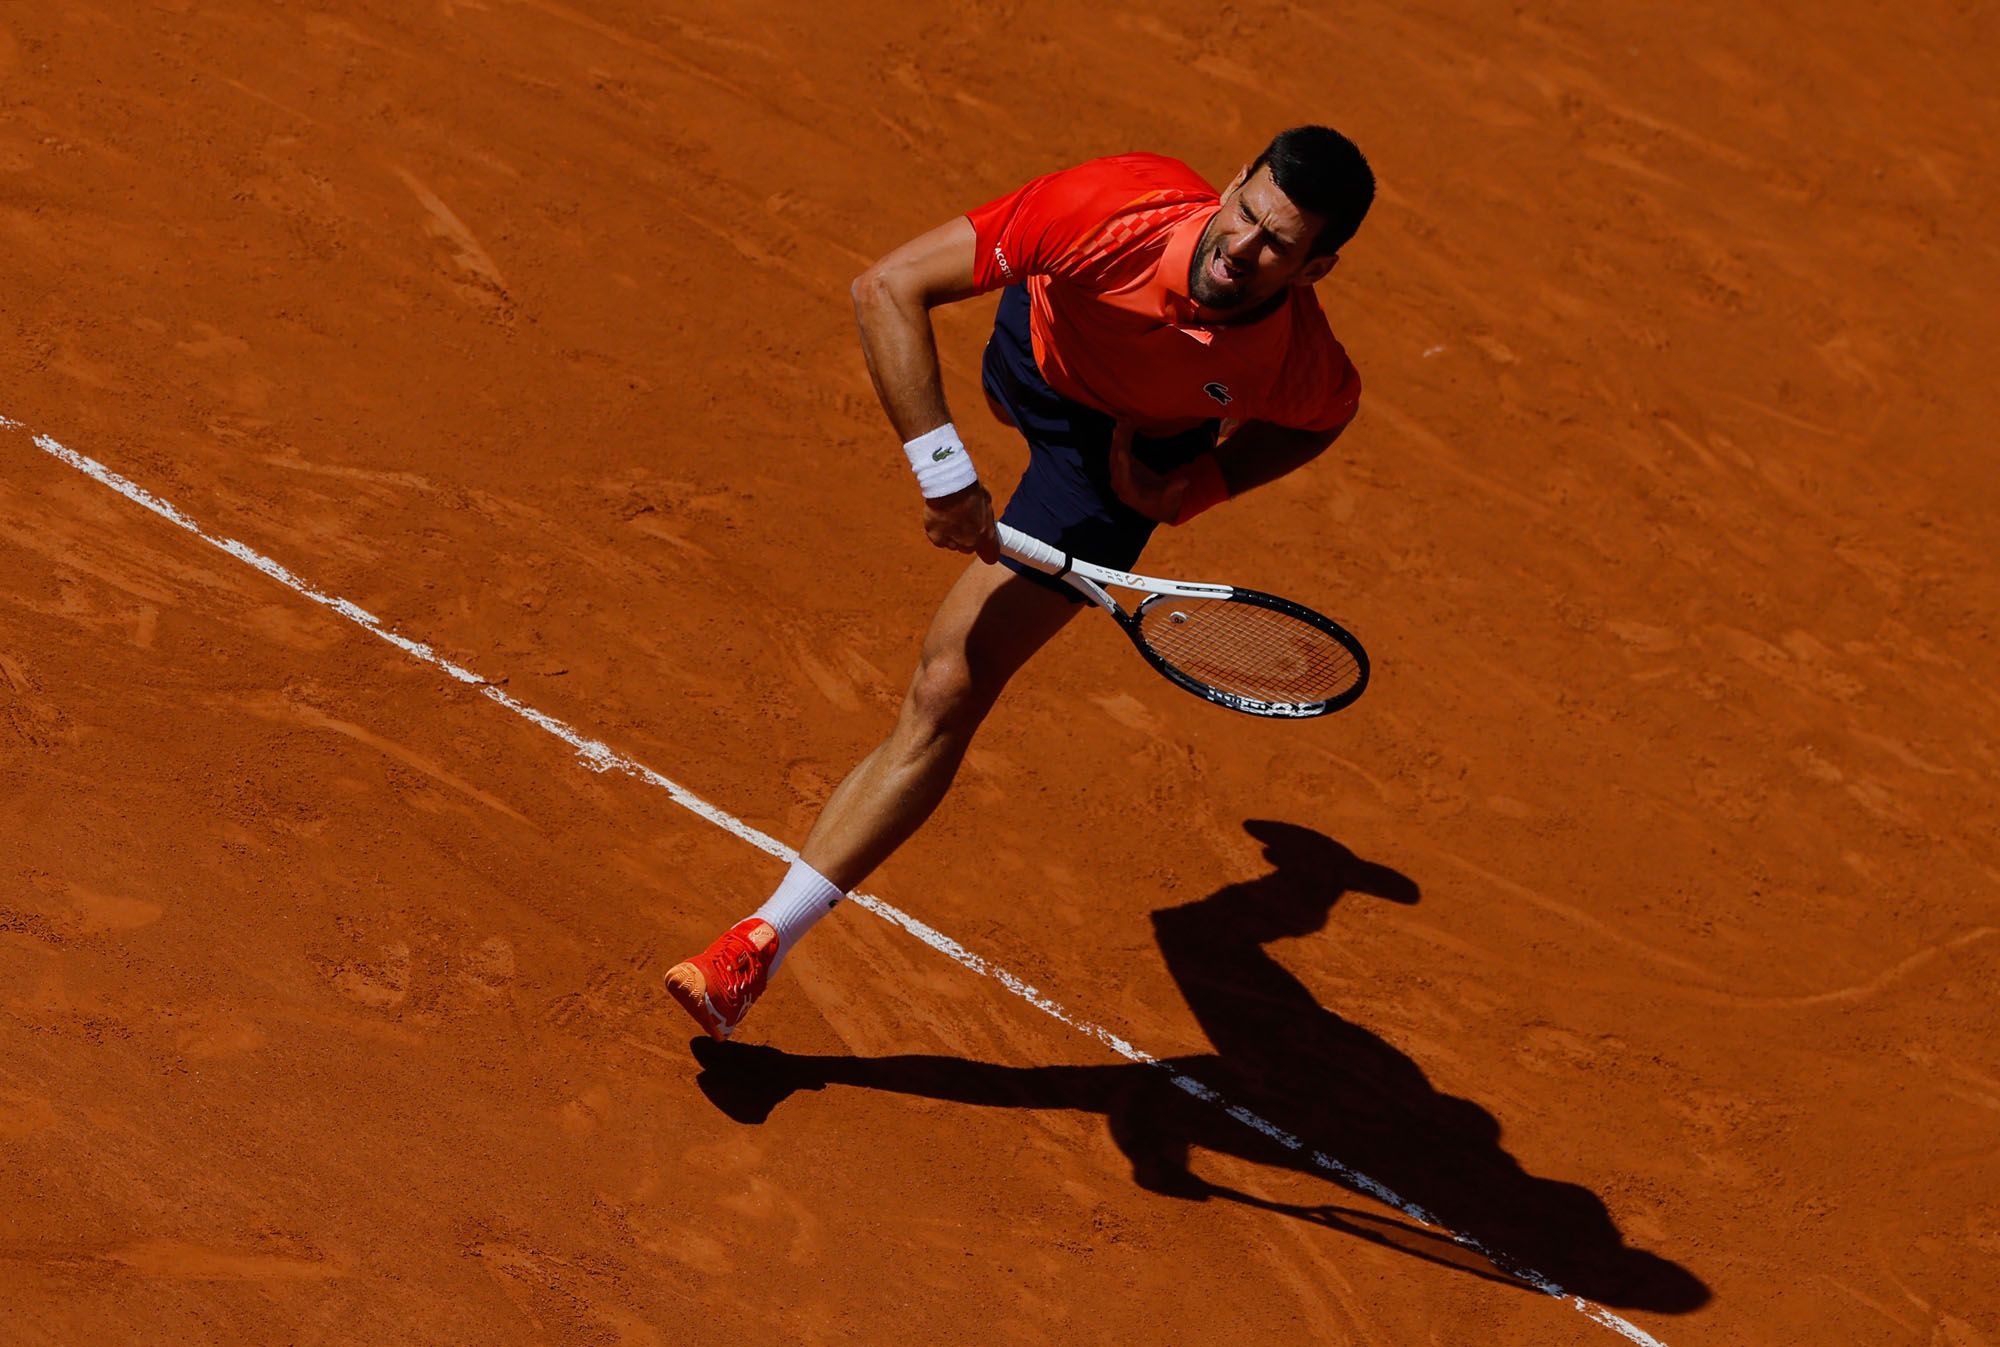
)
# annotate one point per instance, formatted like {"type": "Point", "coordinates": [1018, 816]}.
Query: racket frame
{"type": "Point", "coordinates": [1090, 580]}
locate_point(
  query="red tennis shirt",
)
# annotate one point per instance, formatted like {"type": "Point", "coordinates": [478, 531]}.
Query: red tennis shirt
{"type": "Point", "coordinates": [1104, 250]}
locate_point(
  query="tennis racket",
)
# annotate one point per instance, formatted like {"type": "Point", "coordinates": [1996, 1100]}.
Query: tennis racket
{"type": "Point", "coordinates": [1249, 651]}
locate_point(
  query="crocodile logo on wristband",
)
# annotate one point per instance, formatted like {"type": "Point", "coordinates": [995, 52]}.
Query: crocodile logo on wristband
{"type": "Point", "coordinates": [940, 460]}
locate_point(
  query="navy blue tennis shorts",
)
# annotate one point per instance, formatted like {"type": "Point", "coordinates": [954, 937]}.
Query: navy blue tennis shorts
{"type": "Point", "coordinates": [1065, 496]}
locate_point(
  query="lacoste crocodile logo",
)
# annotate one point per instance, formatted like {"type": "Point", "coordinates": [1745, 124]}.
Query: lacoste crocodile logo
{"type": "Point", "coordinates": [940, 455]}
{"type": "Point", "coordinates": [1220, 392]}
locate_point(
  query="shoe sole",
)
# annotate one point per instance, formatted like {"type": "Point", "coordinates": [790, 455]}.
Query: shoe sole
{"type": "Point", "coordinates": [689, 989]}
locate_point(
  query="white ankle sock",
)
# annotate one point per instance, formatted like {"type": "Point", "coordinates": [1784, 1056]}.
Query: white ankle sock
{"type": "Point", "coordinates": [803, 896]}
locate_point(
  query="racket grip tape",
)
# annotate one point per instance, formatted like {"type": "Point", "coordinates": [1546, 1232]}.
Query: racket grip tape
{"type": "Point", "coordinates": [1033, 551]}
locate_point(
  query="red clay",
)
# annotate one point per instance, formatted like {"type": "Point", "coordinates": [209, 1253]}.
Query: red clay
{"type": "Point", "coordinates": [1639, 922]}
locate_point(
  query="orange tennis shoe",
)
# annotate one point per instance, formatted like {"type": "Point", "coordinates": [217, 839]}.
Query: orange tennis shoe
{"type": "Point", "coordinates": [719, 985]}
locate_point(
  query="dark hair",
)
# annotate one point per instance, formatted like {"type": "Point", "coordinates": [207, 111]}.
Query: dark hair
{"type": "Point", "coordinates": [1324, 174]}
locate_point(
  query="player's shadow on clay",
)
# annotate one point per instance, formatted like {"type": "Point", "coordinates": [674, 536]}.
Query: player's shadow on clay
{"type": "Point", "coordinates": [1337, 1089]}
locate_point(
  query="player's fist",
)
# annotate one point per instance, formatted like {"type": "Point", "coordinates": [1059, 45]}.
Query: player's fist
{"type": "Point", "coordinates": [963, 522]}
{"type": "Point", "coordinates": [1155, 495]}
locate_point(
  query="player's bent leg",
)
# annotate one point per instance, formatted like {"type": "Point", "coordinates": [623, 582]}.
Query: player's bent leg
{"type": "Point", "coordinates": [989, 625]}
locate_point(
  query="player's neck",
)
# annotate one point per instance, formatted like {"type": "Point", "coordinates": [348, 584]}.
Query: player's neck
{"type": "Point", "coordinates": [1208, 317]}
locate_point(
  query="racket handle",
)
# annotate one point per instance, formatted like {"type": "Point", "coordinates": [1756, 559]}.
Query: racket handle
{"type": "Point", "coordinates": [1032, 551]}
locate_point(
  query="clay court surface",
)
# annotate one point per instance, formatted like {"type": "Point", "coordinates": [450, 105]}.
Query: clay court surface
{"type": "Point", "coordinates": [1640, 924]}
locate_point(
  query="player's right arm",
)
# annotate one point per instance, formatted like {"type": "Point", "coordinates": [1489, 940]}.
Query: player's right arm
{"type": "Point", "coordinates": [892, 304]}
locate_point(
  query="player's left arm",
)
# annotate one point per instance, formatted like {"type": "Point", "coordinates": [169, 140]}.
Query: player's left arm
{"type": "Point", "coordinates": [1314, 398]}
{"type": "Point", "coordinates": [1317, 394]}
{"type": "Point", "coordinates": [1263, 451]}
{"type": "Point", "coordinates": [1256, 452]}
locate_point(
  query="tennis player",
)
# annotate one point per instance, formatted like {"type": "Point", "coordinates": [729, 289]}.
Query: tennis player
{"type": "Point", "coordinates": [1141, 311]}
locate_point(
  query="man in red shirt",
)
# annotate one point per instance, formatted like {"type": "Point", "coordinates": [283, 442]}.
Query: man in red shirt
{"type": "Point", "coordinates": [1142, 308]}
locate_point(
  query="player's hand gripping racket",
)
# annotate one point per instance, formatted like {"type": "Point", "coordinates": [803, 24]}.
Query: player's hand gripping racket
{"type": "Point", "coordinates": [1251, 652]}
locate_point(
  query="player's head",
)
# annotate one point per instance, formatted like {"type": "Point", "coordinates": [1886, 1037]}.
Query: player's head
{"type": "Point", "coordinates": [1313, 871]}
{"type": "Point", "coordinates": [1282, 220]}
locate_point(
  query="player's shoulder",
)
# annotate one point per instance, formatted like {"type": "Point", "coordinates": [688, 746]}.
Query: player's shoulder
{"type": "Point", "coordinates": [1310, 331]}
{"type": "Point", "coordinates": [1144, 173]}
{"type": "Point", "coordinates": [1322, 383]}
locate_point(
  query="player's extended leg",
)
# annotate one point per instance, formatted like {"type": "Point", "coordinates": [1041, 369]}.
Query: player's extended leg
{"type": "Point", "coordinates": [990, 623]}
{"type": "Point", "coordinates": [988, 626]}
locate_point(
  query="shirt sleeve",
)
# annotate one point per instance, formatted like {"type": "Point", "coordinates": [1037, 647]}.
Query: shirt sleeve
{"type": "Point", "coordinates": [1045, 227]}
{"type": "Point", "coordinates": [1028, 231]}
{"type": "Point", "coordinates": [1342, 400]}
{"type": "Point", "coordinates": [1318, 387]}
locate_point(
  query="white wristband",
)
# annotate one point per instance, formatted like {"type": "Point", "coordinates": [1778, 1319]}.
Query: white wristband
{"type": "Point", "coordinates": [939, 459]}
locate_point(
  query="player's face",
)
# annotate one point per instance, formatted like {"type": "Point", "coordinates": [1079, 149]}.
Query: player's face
{"type": "Point", "coordinates": [1257, 244]}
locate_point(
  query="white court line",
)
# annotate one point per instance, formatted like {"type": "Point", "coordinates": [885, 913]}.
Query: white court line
{"type": "Point", "coordinates": [601, 758]}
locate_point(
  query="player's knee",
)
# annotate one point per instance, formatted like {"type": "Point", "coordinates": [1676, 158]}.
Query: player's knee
{"type": "Point", "coordinates": [945, 696]}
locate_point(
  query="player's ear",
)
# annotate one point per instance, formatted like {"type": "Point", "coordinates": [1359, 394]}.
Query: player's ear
{"type": "Point", "coordinates": [1242, 176]}
{"type": "Point", "coordinates": [1316, 270]}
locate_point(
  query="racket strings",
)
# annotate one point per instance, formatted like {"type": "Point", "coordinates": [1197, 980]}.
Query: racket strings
{"type": "Point", "coordinates": [1249, 651]}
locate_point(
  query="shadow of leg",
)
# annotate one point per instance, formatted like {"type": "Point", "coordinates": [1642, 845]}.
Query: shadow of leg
{"type": "Point", "coordinates": [746, 1081]}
